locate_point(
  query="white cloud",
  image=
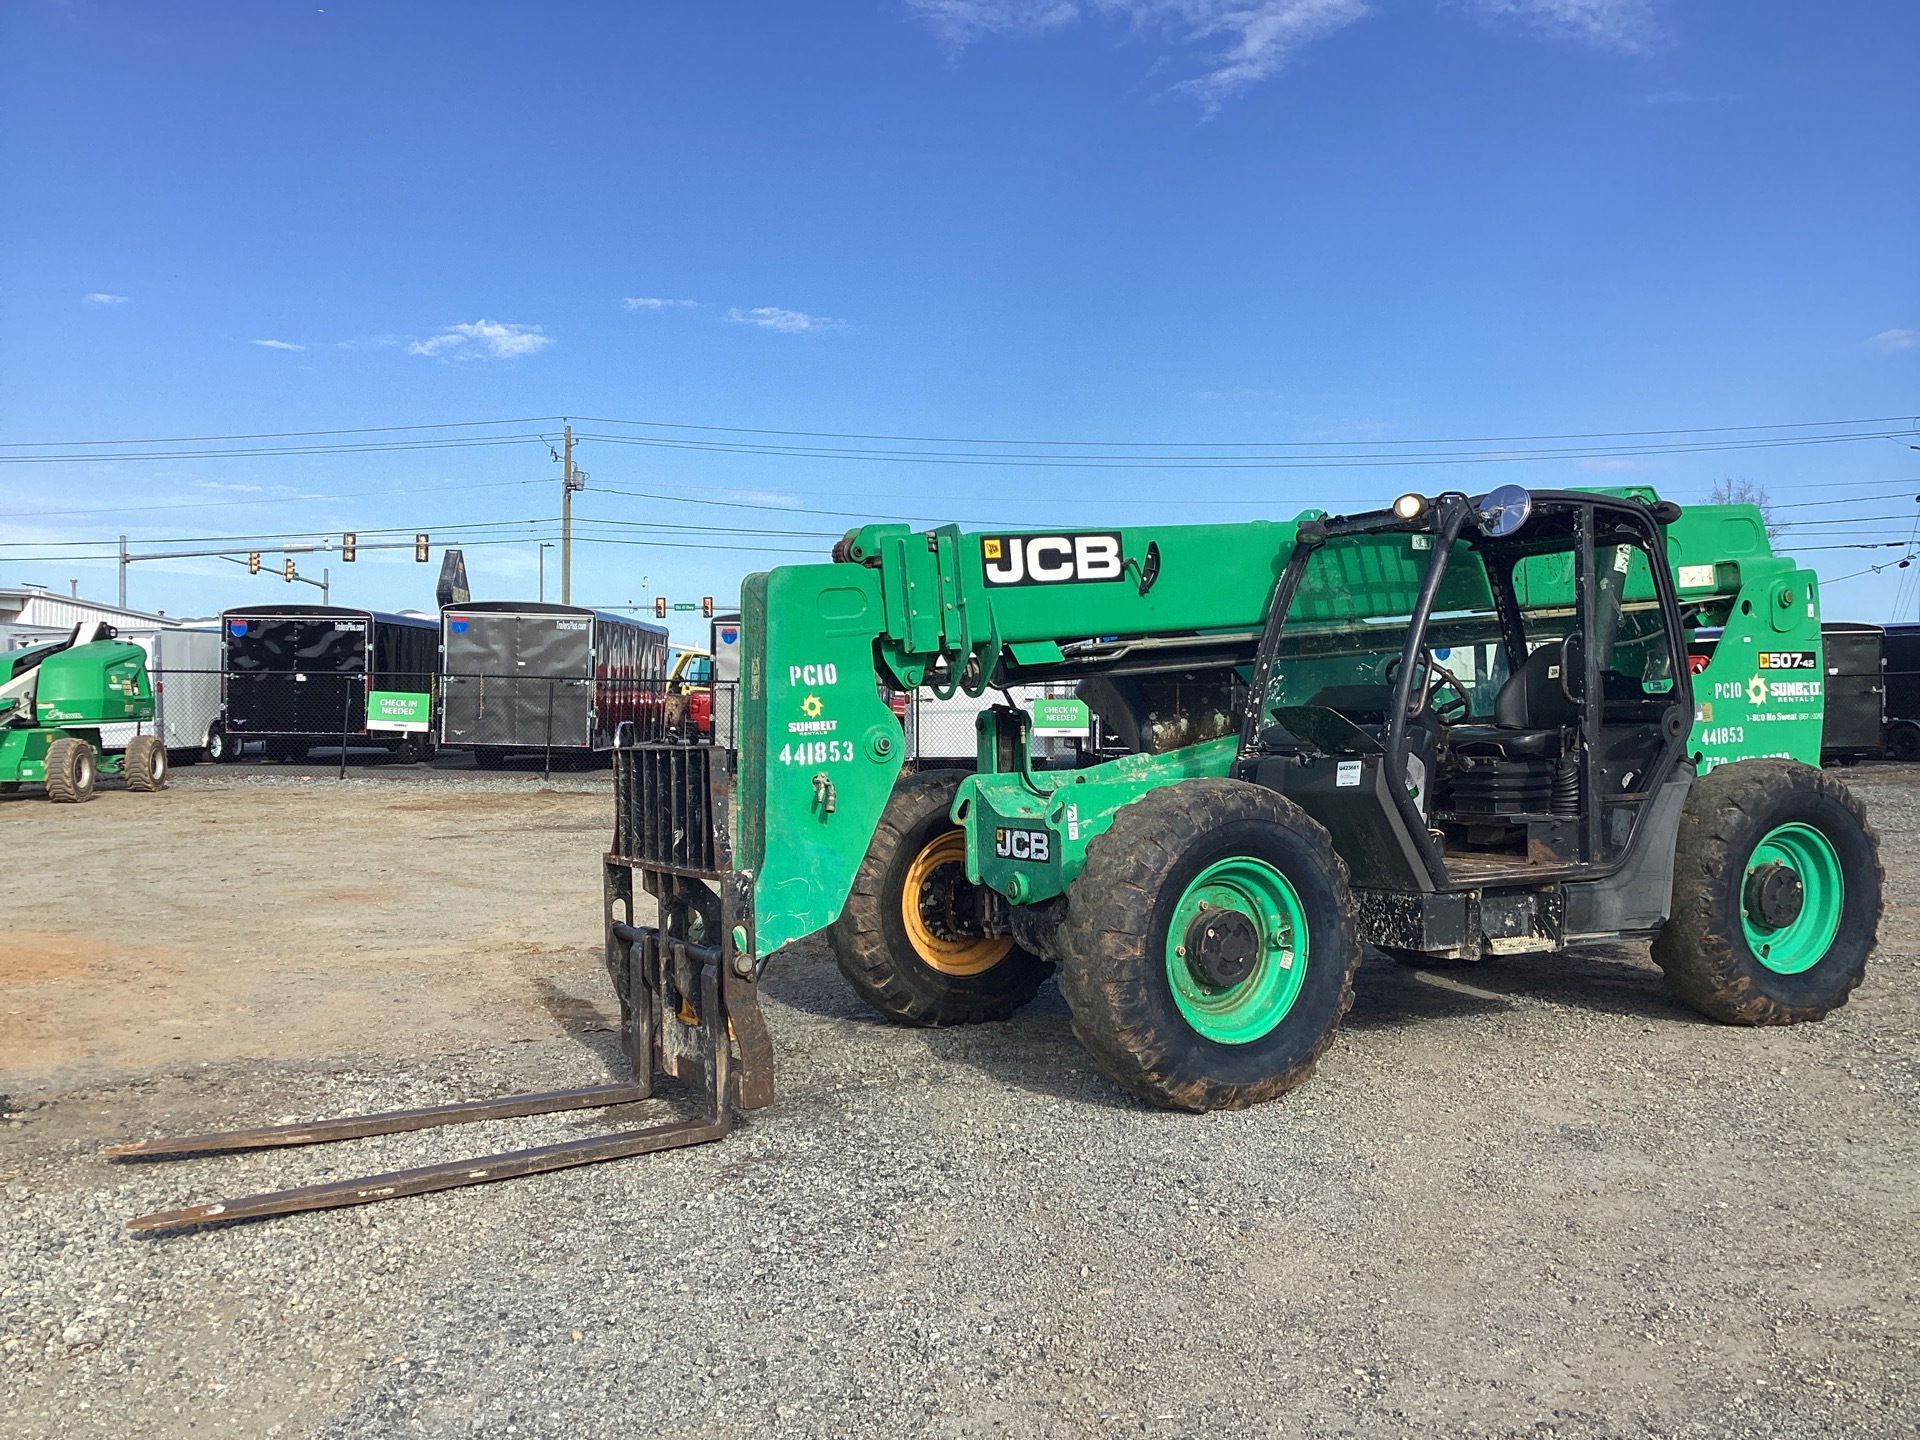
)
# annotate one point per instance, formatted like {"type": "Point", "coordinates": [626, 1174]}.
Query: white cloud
{"type": "Point", "coordinates": [1260, 35]}
{"type": "Point", "coordinates": [789, 322]}
{"type": "Point", "coordinates": [1892, 342]}
{"type": "Point", "coordinates": [651, 302]}
{"type": "Point", "coordinates": [486, 339]}
{"type": "Point", "coordinates": [279, 345]}
{"type": "Point", "coordinates": [100, 297]}
{"type": "Point", "coordinates": [1253, 39]}
{"type": "Point", "coordinates": [1611, 24]}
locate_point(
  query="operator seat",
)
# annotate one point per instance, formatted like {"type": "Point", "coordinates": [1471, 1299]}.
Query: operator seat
{"type": "Point", "coordinates": [1514, 767]}
{"type": "Point", "coordinates": [1531, 714]}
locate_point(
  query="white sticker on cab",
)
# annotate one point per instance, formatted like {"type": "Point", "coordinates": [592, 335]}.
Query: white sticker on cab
{"type": "Point", "coordinates": [1347, 773]}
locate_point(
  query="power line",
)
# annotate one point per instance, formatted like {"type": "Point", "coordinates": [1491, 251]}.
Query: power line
{"type": "Point", "coordinates": [278, 499]}
{"type": "Point", "coordinates": [962, 439]}
{"type": "Point", "coordinates": [1248, 444]}
{"type": "Point", "coordinates": [276, 452]}
{"type": "Point", "coordinates": [284, 434]}
{"type": "Point", "coordinates": [1349, 460]}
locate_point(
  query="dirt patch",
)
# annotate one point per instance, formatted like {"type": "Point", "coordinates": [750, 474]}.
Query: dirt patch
{"type": "Point", "coordinates": [285, 922]}
{"type": "Point", "coordinates": [38, 955]}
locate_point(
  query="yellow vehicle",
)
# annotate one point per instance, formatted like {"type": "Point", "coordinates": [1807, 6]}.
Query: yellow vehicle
{"type": "Point", "coordinates": [689, 699]}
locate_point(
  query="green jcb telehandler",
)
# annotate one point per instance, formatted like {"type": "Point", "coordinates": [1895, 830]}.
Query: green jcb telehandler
{"type": "Point", "coordinates": [1455, 728]}
{"type": "Point", "coordinates": [53, 700]}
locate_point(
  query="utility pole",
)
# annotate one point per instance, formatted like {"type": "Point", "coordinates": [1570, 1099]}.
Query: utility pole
{"type": "Point", "coordinates": [123, 572]}
{"type": "Point", "coordinates": [571, 480]}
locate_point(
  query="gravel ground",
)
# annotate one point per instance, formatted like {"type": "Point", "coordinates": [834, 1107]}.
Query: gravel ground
{"type": "Point", "coordinates": [1535, 1197]}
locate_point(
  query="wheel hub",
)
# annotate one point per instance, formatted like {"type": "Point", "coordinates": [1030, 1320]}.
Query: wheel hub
{"type": "Point", "coordinates": [1222, 947]}
{"type": "Point", "coordinates": [1775, 895]}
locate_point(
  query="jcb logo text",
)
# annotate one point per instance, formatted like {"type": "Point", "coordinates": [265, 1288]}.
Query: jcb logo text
{"type": "Point", "coordinates": [1050, 559]}
{"type": "Point", "coordinates": [1022, 844]}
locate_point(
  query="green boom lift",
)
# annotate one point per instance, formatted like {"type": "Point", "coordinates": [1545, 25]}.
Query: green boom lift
{"type": "Point", "coordinates": [1453, 729]}
{"type": "Point", "coordinates": [53, 700]}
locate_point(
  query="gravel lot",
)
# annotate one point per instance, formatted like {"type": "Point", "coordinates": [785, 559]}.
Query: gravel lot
{"type": "Point", "coordinates": [1531, 1197]}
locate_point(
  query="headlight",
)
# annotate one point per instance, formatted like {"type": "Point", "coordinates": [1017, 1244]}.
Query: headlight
{"type": "Point", "coordinates": [1410, 507]}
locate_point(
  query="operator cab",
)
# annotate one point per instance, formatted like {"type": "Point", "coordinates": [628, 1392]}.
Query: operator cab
{"type": "Point", "coordinates": [1465, 691]}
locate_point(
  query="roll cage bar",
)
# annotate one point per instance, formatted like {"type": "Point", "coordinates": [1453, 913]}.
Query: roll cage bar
{"type": "Point", "coordinates": [1448, 518]}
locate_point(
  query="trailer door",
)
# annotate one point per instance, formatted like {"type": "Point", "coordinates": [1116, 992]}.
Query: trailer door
{"type": "Point", "coordinates": [554, 704]}
{"type": "Point", "coordinates": [478, 679]}
{"type": "Point", "coordinates": [296, 675]}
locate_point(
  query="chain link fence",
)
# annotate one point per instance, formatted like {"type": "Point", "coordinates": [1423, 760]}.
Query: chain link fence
{"type": "Point", "coordinates": [501, 720]}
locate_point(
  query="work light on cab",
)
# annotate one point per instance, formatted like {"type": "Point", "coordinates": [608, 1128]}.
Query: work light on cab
{"type": "Point", "coordinates": [1410, 507]}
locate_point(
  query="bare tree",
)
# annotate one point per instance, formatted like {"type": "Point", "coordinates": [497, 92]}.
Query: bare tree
{"type": "Point", "coordinates": [1729, 491]}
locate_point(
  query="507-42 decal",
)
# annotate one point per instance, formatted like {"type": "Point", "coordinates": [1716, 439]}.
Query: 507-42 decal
{"type": "Point", "coordinates": [816, 752]}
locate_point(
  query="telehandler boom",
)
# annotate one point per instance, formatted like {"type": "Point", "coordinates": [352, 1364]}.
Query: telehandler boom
{"type": "Point", "coordinates": [1455, 728]}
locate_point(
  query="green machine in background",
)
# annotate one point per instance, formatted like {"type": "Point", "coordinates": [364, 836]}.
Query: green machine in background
{"type": "Point", "coordinates": [53, 700]}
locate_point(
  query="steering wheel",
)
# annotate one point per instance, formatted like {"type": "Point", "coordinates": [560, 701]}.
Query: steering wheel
{"type": "Point", "coordinates": [1430, 678]}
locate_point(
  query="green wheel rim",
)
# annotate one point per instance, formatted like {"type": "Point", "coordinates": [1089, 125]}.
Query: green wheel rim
{"type": "Point", "coordinates": [1802, 942]}
{"type": "Point", "coordinates": [1244, 1012]}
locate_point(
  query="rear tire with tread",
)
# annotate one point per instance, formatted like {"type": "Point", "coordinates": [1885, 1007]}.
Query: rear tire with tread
{"type": "Point", "coordinates": [1114, 956]}
{"type": "Point", "coordinates": [71, 771]}
{"type": "Point", "coordinates": [1704, 948]}
{"type": "Point", "coordinates": [870, 940]}
{"type": "Point", "coordinates": [146, 764]}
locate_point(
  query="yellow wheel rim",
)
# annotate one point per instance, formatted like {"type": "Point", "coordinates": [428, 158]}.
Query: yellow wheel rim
{"type": "Point", "coordinates": [943, 931]}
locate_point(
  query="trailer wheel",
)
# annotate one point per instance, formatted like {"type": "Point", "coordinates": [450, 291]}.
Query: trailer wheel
{"type": "Point", "coordinates": [145, 765]}
{"type": "Point", "coordinates": [909, 939]}
{"type": "Point", "coordinates": [222, 748]}
{"type": "Point", "coordinates": [71, 771]}
{"type": "Point", "coordinates": [1903, 742]}
{"type": "Point", "coordinates": [1209, 947]}
{"type": "Point", "coordinates": [1776, 895]}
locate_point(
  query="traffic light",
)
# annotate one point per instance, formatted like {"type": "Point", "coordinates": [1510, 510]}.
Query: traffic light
{"type": "Point", "coordinates": [288, 571]}
{"type": "Point", "coordinates": [253, 562]}
{"type": "Point", "coordinates": [706, 606]}
{"type": "Point", "coordinates": [659, 607]}
{"type": "Point", "coordinates": [420, 547]}
{"type": "Point", "coordinates": [348, 542]}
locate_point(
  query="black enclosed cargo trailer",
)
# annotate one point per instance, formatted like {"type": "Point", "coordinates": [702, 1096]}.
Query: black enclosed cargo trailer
{"type": "Point", "coordinates": [297, 676]}
{"type": "Point", "coordinates": [522, 676]}
{"type": "Point", "coordinates": [1853, 724]}
{"type": "Point", "coordinates": [1902, 678]}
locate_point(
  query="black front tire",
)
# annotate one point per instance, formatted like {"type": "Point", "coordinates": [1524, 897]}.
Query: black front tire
{"type": "Point", "coordinates": [905, 977]}
{"type": "Point", "coordinates": [1704, 948]}
{"type": "Point", "coordinates": [1114, 966]}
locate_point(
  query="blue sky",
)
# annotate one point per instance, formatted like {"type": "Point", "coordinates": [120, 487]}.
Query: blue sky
{"type": "Point", "coordinates": [1342, 223]}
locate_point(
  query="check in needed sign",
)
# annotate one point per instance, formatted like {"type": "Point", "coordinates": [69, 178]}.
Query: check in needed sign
{"type": "Point", "coordinates": [1061, 719]}
{"type": "Point", "coordinates": [398, 710]}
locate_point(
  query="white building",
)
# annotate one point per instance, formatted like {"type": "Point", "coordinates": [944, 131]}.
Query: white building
{"type": "Point", "coordinates": [41, 609]}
